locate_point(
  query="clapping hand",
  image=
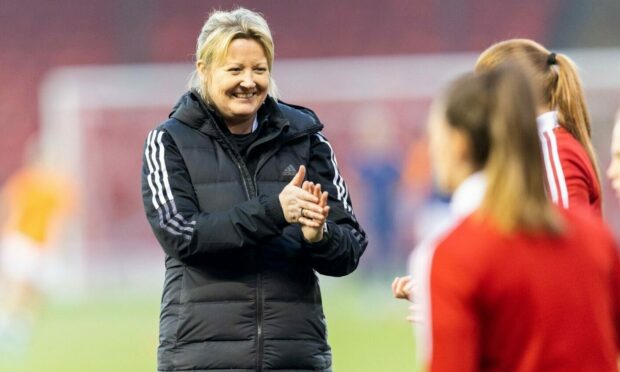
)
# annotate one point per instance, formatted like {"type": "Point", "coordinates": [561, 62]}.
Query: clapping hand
{"type": "Point", "coordinates": [312, 223]}
{"type": "Point", "coordinates": [298, 204]}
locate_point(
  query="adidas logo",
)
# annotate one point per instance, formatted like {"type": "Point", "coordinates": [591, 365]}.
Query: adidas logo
{"type": "Point", "coordinates": [289, 171]}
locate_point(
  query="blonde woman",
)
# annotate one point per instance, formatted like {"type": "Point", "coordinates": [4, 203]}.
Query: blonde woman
{"type": "Point", "coordinates": [517, 283]}
{"type": "Point", "coordinates": [244, 234]}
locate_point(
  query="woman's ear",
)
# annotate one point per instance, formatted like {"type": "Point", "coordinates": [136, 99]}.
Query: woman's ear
{"type": "Point", "coordinates": [461, 145]}
{"type": "Point", "coordinates": [201, 67]}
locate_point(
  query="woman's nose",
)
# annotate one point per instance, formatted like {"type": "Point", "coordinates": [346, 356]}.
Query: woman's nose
{"type": "Point", "coordinates": [248, 80]}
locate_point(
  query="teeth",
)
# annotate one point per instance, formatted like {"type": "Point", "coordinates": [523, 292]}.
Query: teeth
{"type": "Point", "coordinates": [244, 95]}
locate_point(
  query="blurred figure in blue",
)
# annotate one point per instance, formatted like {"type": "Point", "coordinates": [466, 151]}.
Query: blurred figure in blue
{"type": "Point", "coordinates": [377, 163]}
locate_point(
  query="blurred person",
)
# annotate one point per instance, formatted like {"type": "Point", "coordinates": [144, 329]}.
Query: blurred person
{"type": "Point", "coordinates": [516, 283]}
{"type": "Point", "coordinates": [563, 121]}
{"type": "Point", "coordinates": [377, 164]}
{"type": "Point", "coordinates": [613, 172]}
{"type": "Point", "coordinates": [223, 190]}
{"type": "Point", "coordinates": [36, 201]}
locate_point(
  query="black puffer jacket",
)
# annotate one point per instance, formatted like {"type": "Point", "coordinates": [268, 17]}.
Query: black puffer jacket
{"type": "Point", "coordinates": [240, 291]}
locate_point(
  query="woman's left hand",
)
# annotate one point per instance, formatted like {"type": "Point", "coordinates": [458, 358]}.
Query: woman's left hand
{"type": "Point", "coordinates": [311, 222]}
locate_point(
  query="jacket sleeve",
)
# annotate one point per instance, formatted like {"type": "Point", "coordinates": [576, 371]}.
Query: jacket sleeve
{"type": "Point", "coordinates": [569, 178]}
{"type": "Point", "coordinates": [171, 206]}
{"type": "Point", "coordinates": [578, 180]}
{"type": "Point", "coordinates": [344, 243]}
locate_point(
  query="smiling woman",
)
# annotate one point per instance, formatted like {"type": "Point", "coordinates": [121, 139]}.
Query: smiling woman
{"type": "Point", "coordinates": [238, 85]}
{"type": "Point", "coordinates": [224, 191]}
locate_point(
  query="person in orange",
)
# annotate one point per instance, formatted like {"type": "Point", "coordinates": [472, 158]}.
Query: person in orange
{"type": "Point", "coordinates": [35, 201]}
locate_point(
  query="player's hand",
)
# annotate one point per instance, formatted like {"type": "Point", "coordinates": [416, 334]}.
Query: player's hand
{"type": "Point", "coordinates": [415, 314]}
{"type": "Point", "coordinates": [311, 222]}
{"type": "Point", "coordinates": [295, 201]}
{"type": "Point", "coordinates": [402, 287]}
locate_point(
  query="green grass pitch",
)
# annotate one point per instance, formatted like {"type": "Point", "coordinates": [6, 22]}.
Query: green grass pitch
{"type": "Point", "coordinates": [118, 332]}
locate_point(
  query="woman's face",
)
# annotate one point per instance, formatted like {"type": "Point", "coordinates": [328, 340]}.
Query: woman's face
{"type": "Point", "coordinates": [237, 86]}
{"type": "Point", "coordinates": [449, 152]}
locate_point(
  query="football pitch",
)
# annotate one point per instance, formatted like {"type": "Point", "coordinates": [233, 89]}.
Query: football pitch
{"type": "Point", "coordinates": [118, 332]}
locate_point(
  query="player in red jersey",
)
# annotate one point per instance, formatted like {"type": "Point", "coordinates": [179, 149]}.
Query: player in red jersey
{"type": "Point", "coordinates": [518, 284]}
{"type": "Point", "coordinates": [563, 121]}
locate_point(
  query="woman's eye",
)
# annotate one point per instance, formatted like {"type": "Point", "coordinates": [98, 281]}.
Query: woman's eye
{"type": "Point", "coordinates": [234, 69]}
{"type": "Point", "coordinates": [260, 70]}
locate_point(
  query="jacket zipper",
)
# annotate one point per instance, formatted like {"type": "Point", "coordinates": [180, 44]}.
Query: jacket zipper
{"type": "Point", "coordinates": [259, 318]}
{"type": "Point", "coordinates": [259, 286]}
{"type": "Point", "coordinates": [251, 190]}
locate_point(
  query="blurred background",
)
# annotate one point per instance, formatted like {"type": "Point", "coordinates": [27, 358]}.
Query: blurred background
{"type": "Point", "coordinates": [82, 83]}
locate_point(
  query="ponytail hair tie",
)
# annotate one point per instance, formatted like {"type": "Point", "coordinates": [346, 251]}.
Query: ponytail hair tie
{"type": "Point", "coordinates": [551, 59]}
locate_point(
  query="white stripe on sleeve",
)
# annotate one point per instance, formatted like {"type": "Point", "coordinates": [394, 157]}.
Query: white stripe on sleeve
{"type": "Point", "coordinates": [555, 154]}
{"type": "Point", "coordinates": [159, 184]}
{"type": "Point", "coordinates": [553, 189]}
{"type": "Point", "coordinates": [338, 181]}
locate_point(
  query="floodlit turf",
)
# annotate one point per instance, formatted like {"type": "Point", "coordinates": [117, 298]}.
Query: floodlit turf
{"type": "Point", "coordinates": [119, 333]}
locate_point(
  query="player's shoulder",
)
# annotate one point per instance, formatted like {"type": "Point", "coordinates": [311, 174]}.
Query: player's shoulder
{"type": "Point", "coordinates": [568, 146]}
{"type": "Point", "coordinates": [469, 237]}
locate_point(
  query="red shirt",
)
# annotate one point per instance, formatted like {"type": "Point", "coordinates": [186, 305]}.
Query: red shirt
{"type": "Point", "coordinates": [571, 179]}
{"type": "Point", "coordinates": [525, 302]}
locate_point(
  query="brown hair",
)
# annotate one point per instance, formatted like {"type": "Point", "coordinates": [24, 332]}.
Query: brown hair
{"type": "Point", "coordinates": [496, 111]}
{"type": "Point", "coordinates": [556, 77]}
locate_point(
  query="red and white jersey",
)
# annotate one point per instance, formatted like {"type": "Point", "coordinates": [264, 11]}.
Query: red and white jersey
{"type": "Point", "coordinates": [571, 179]}
{"type": "Point", "coordinates": [522, 301]}
{"type": "Point", "coordinates": [465, 200]}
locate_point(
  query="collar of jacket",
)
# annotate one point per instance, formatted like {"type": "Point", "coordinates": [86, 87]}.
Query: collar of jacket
{"type": "Point", "coordinates": [289, 120]}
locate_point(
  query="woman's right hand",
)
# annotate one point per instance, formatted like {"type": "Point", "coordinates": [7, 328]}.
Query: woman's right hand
{"type": "Point", "coordinates": [293, 199]}
{"type": "Point", "coordinates": [312, 228]}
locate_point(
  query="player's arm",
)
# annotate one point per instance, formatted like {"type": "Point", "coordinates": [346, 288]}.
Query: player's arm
{"type": "Point", "coordinates": [577, 177]}
{"type": "Point", "coordinates": [344, 241]}
{"type": "Point", "coordinates": [172, 209]}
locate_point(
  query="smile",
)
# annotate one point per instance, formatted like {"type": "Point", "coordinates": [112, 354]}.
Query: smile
{"type": "Point", "coordinates": [244, 95]}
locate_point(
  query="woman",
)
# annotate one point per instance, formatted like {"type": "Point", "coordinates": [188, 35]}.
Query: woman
{"type": "Point", "coordinates": [223, 187]}
{"type": "Point", "coordinates": [516, 284]}
{"type": "Point", "coordinates": [571, 168]}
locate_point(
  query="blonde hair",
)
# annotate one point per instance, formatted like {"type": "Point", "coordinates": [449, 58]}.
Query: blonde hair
{"type": "Point", "coordinates": [559, 85]}
{"type": "Point", "coordinates": [496, 110]}
{"type": "Point", "coordinates": [220, 29]}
